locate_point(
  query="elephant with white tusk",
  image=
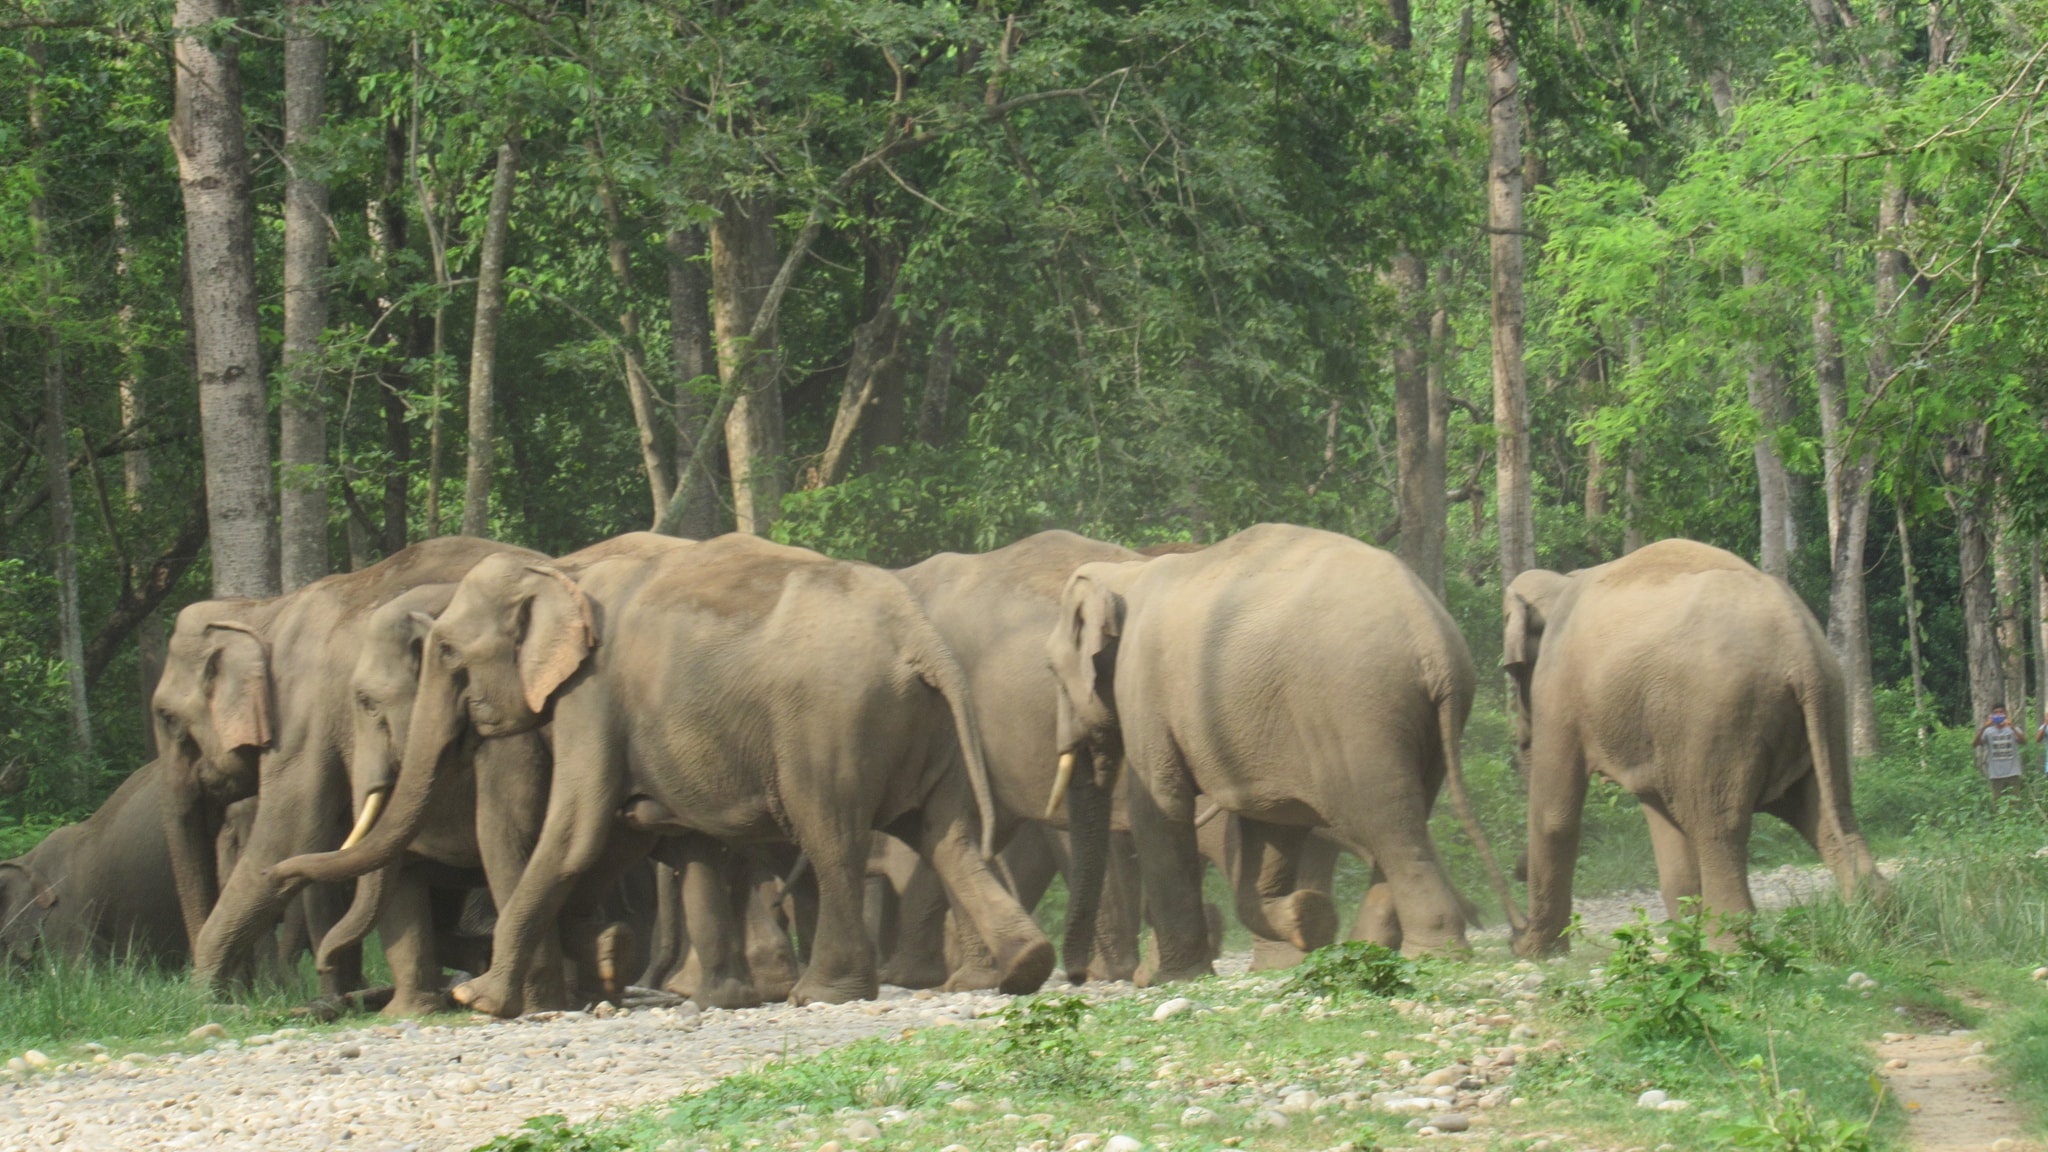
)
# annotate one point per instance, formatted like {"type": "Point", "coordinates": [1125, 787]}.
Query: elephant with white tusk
{"type": "Point", "coordinates": [736, 688]}
{"type": "Point", "coordinates": [1701, 685]}
{"type": "Point", "coordinates": [1298, 679]}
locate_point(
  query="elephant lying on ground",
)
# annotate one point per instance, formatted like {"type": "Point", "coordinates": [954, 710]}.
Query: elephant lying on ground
{"type": "Point", "coordinates": [1702, 686]}
{"type": "Point", "coordinates": [254, 700]}
{"type": "Point", "coordinates": [101, 887]}
{"type": "Point", "coordinates": [1297, 678]}
{"type": "Point", "coordinates": [735, 688]}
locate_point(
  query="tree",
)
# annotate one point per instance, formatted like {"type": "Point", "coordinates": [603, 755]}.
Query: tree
{"type": "Point", "coordinates": [483, 347]}
{"type": "Point", "coordinates": [302, 417]}
{"type": "Point", "coordinates": [1516, 512]}
{"type": "Point", "coordinates": [208, 135]}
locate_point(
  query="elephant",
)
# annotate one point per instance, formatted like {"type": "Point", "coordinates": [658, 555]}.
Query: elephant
{"type": "Point", "coordinates": [254, 701]}
{"type": "Point", "coordinates": [1701, 685]}
{"type": "Point", "coordinates": [745, 690]}
{"type": "Point", "coordinates": [101, 887]}
{"type": "Point", "coordinates": [994, 609]}
{"type": "Point", "coordinates": [1297, 678]}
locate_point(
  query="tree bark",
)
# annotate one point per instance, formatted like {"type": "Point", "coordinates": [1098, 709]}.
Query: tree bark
{"type": "Point", "coordinates": [743, 265]}
{"type": "Point", "coordinates": [689, 325]}
{"type": "Point", "coordinates": [393, 379]}
{"type": "Point", "coordinates": [1420, 467]}
{"type": "Point", "coordinates": [55, 433]}
{"type": "Point", "coordinates": [209, 137]}
{"type": "Point", "coordinates": [1963, 468]}
{"type": "Point", "coordinates": [1504, 241]}
{"type": "Point", "coordinates": [2012, 611]}
{"type": "Point", "coordinates": [149, 630]}
{"type": "Point", "coordinates": [1847, 470]}
{"type": "Point", "coordinates": [2040, 629]}
{"type": "Point", "coordinates": [302, 417]}
{"type": "Point", "coordinates": [1909, 577]}
{"type": "Point", "coordinates": [1776, 531]}
{"type": "Point", "coordinates": [877, 352]}
{"type": "Point", "coordinates": [639, 388]}
{"type": "Point", "coordinates": [483, 347]}
{"type": "Point", "coordinates": [938, 387]}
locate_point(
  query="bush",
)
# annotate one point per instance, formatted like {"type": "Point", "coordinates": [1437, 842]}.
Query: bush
{"type": "Point", "coordinates": [1357, 968]}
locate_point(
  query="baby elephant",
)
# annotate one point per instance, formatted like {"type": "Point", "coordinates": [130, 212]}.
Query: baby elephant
{"type": "Point", "coordinates": [1701, 685]}
{"type": "Point", "coordinates": [100, 887]}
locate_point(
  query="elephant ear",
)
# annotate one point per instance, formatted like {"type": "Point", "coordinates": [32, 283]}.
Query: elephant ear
{"type": "Point", "coordinates": [45, 897]}
{"type": "Point", "coordinates": [237, 679]}
{"type": "Point", "coordinates": [1098, 623]}
{"type": "Point", "coordinates": [556, 633]}
{"type": "Point", "coordinates": [1523, 636]}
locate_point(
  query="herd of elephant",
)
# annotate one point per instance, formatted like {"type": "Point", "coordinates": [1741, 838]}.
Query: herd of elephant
{"type": "Point", "coordinates": [750, 771]}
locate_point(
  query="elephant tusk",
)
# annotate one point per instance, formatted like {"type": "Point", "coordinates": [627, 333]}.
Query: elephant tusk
{"type": "Point", "coordinates": [373, 806]}
{"type": "Point", "coordinates": [1202, 818]}
{"type": "Point", "coordinates": [1060, 780]}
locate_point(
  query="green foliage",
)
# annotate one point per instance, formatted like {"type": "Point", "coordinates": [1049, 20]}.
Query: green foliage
{"type": "Point", "coordinates": [1664, 994]}
{"type": "Point", "coordinates": [1354, 968]}
{"type": "Point", "coordinates": [1041, 1039]}
{"type": "Point", "coordinates": [1782, 1120]}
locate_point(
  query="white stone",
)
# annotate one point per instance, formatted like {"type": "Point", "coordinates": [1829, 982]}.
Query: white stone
{"type": "Point", "coordinates": [863, 1131]}
{"type": "Point", "coordinates": [2041, 973]}
{"type": "Point", "coordinates": [208, 1031]}
{"type": "Point", "coordinates": [1123, 1143]}
{"type": "Point", "coordinates": [35, 1059]}
{"type": "Point", "coordinates": [1674, 1106]}
{"type": "Point", "coordinates": [1172, 1008]}
{"type": "Point", "coordinates": [1653, 1098]}
{"type": "Point", "coordinates": [1196, 1116]}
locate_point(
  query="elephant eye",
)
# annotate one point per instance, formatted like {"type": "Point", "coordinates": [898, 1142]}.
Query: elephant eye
{"type": "Point", "coordinates": [366, 702]}
{"type": "Point", "coordinates": [447, 654]}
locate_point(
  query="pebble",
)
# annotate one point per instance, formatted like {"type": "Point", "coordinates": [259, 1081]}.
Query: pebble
{"type": "Point", "coordinates": [1653, 1098]}
{"type": "Point", "coordinates": [1895, 1062]}
{"type": "Point", "coordinates": [1122, 1143]}
{"type": "Point", "coordinates": [1674, 1106]}
{"type": "Point", "coordinates": [35, 1059]}
{"type": "Point", "coordinates": [1450, 1122]}
{"type": "Point", "coordinates": [831, 1146]}
{"type": "Point", "coordinates": [2041, 973]}
{"type": "Point", "coordinates": [208, 1031]}
{"type": "Point", "coordinates": [1196, 1116]}
{"type": "Point", "coordinates": [863, 1131]}
{"type": "Point", "coordinates": [1172, 1008]}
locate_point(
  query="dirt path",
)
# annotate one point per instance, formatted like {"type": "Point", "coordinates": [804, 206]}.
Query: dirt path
{"type": "Point", "coordinates": [1952, 1099]}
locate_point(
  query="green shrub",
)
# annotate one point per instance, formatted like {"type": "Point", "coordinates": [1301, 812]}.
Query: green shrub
{"type": "Point", "coordinates": [1356, 968]}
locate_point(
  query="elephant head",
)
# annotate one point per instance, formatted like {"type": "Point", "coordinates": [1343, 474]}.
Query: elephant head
{"type": "Point", "coordinates": [214, 718]}
{"type": "Point", "coordinates": [25, 902]}
{"type": "Point", "coordinates": [382, 689]}
{"type": "Point", "coordinates": [512, 634]}
{"type": "Point", "coordinates": [1082, 651]}
{"type": "Point", "coordinates": [1536, 600]}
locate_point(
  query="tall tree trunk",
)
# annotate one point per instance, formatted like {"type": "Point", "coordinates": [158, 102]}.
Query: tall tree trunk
{"type": "Point", "coordinates": [1963, 469]}
{"type": "Point", "coordinates": [743, 264]}
{"type": "Point", "coordinates": [402, 344]}
{"type": "Point", "coordinates": [302, 417]}
{"type": "Point", "coordinates": [1504, 240]}
{"type": "Point", "coordinates": [483, 347]}
{"type": "Point", "coordinates": [2040, 628]}
{"type": "Point", "coordinates": [208, 135]}
{"type": "Point", "coordinates": [1910, 577]}
{"type": "Point", "coordinates": [149, 631]}
{"type": "Point", "coordinates": [1846, 472]}
{"type": "Point", "coordinates": [2012, 611]}
{"type": "Point", "coordinates": [639, 389]}
{"type": "Point", "coordinates": [1419, 464]}
{"type": "Point", "coordinates": [1774, 488]}
{"type": "Point", "coordinates": [877, 356]}
{"type": "Point", "coordinates": [55, 437]}
{"type": "Point", "coordinates": [938, 386]}
{"type": "Point", "coordinates": [689, 326]}
{"type": "Point", "coordinates": [1631, 492]}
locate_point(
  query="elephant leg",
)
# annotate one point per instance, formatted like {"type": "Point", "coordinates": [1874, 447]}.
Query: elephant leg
{"type": "Point", "coordinates": [1171, 863]}
{"type": "Point", "coordinates": [879, 901]}
{"type": "Point", "coordinates": [606, 949]}
{"type": "Point", "coordinates": [572, 842]}
{"type": "Point", "coordinates": [664, 948]}
{"type": "Point", "coordinates": [1723, 853]}
{"type": "Point", "coordinates": [920, 957]}
{"type": "Point", "coordinates": [1557, 800]}
{"type": "Point", "coordinates": [1116, 921]}
{"type": "Point", "coordinates": [1678, 870]}
{"type": "Point", "coordinates": [973, 966]}
{"type": "Point", "coordinates": [1270, 901]}
{"type": "Point", "coordinates": [326, 906]}
{"type": "Point", "coordinates": [707, 884]}
{"type": "Point", "coordinates": [511, 803]}
{"type": "Point", "coordinates": [1394, 832]}
{"type": "Point", "coordinates": [771, 956]}
{"type": "Point", "coordinates": [842, 965]}
{"type": "Point", "coordinates": [948, 836]}
{"type": "Point", "coordinates": [1378, 920]}
{"type": "Point", "coordinates": [406, 927]}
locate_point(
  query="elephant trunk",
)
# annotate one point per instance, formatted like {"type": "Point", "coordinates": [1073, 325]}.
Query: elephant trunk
{"type": "Point", "coordinates": [1088, 805]}
{"type": "Point", "coordinates": [373, 891]}
{"type": "Point", "coordinates": [438, 724]}
{"type": "Point", "coordinates": [935, 663]}
{"type": "Point", "coordinates": [1454, 772]}
{"type": "Point", "coordinates": [190, 846]}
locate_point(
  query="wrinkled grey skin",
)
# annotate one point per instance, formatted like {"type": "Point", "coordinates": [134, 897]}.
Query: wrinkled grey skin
{"type": "Point", "coordinates": [994, 609]}
{"type": "Point", "coordinates": [101, 887]}
{"type": "Point", "coordinates": [1702, 686]}
{"type": "Point", "coordinates": [1297, 678]}
{"type": "Point", "coordinates": [254, 700]}
{"type": "Point", "coordinates": [735, 688]}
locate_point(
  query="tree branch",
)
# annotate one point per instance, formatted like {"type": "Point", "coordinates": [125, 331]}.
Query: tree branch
{"type": "Point", "coordinates": [146, 596]}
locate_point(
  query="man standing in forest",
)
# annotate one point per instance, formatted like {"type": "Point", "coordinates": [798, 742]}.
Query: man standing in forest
{"type": "Point", "coordinates": [2001, 743]}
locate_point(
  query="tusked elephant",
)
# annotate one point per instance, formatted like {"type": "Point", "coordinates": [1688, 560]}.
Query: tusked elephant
{"type": "Point", "coordinates": [1297, 678]}
{"type": "Point", "coordinates": [735, 688]}
{"type": "Point", "coordinates": [1702, 686]}
{"type": "Point", "coordinates": [993, 609]}
{"type": "Point", "coordinates": [254, 700]}
{"type": "Point", "coordinates": [101, 887]}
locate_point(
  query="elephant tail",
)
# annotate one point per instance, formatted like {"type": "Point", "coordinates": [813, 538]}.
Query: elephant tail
{"type": "Point", "coordinates": [936, 665]}
{"type": "Point", "coordinates": [1825, 705]}
{"type": "Point", "coordinates": [1454, 773]}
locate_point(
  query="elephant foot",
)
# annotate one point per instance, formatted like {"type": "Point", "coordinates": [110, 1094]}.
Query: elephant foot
{"type": "Point", "coordinates": [972, 978]}
{"type": "Point", "coordinates": [1268, 955]}
{"type": "Point", "coordinates": [728, 993]}
{"type": "Point", "coordinates": [415, 1003]}
{"type": "Point", "coordinates": [915, 972]}
{"type": "Point", "coordinates": [775, 973]}
{"type": "Point", "coordinates": [1308, 920]}
{"type": "Point", "coordinates": [1151, 975]}
{"type": "Point", "coordinates": [1101, 969]}
{"type": "Point", "coordinates": [1027, 970]}
{"type": "Point", "coordinates": [490, 994]}
{"type": "Point", "coordinates": [1533, 945]}
{"type": "Point", "coordinates": [816, 988]}
{"type": "Point", "coordinates": [614, 957]}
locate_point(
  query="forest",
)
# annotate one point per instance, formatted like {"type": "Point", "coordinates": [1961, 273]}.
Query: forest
{"type": "Point", "coordinates": [1525, 283]}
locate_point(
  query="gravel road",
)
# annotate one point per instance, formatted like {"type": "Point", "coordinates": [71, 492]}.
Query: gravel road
{"type": "Point", "coordinates": [434, 1087]}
